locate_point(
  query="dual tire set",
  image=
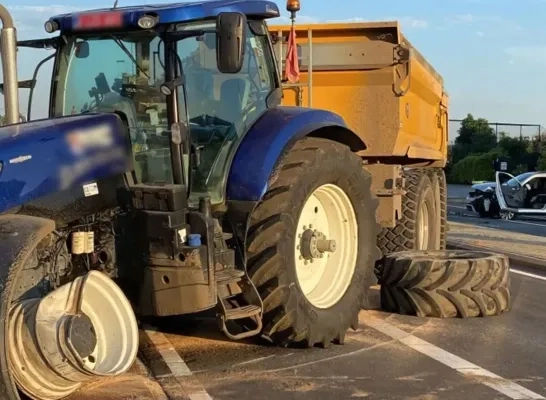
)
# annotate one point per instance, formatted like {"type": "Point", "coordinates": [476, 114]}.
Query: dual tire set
{"type": "Point", "coordinates": [418, 276]}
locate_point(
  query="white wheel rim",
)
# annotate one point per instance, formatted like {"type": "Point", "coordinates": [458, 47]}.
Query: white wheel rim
{"type": "Point", "coordinates": [423, 226]}
{"type": "Point", "coordinates": [329, 211]}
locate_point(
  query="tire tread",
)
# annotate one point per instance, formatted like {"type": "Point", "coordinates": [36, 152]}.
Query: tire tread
{"type": "Point", "coordinates": [444, 284]}
{"type": "Point", "coordinates": [265, 264]}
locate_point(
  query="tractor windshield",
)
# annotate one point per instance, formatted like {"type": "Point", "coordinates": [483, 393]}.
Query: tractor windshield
{"type": "Point", "coordinates": [119, 72]}
{"type": "Point", "coordinates": [123, 72]}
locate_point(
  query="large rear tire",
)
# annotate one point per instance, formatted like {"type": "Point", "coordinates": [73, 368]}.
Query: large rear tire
{"type": "Point", "coordinates": [419, 228]}
{"type": "Point", "coordinates": [446, 284]}
{"type": "Point", "coordinates": [311, 245]}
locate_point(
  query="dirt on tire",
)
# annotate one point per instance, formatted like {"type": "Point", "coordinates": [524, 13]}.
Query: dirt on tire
{"type": "Point", "coordinates": [404, 236]}
{"type": "Point", "coordinates": [446, 284]}
{"type": "Point", "coordinates": [438, 178]}
{"type": "Point", "coordinates": [289, 318]}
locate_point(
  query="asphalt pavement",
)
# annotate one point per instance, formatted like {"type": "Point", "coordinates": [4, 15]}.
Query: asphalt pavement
{"type": "Point", "coordinates": [374, 365]}
{"type": "Point", "coordinates": [388, 357]}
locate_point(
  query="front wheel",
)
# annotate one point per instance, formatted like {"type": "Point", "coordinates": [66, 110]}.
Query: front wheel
{"type": "Point", "coordinates": [507, 215]}
{"type": "Point", "coordinates": [56, 338]}
{"type": "Point", "coordinates": [311, 246]}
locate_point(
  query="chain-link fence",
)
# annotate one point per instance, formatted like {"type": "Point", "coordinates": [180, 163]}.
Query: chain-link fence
{"type": "Point", "coordinates": [532, 132]}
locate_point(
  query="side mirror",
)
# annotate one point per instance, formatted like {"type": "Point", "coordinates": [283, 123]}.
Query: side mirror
{"type": "Point", "coordinates": [82, 50]}
{"type": "Point", "coordinates": [230, 42]}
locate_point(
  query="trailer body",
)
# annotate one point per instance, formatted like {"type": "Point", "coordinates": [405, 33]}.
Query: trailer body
{"type": "Point", "coordinates": [371, 75]}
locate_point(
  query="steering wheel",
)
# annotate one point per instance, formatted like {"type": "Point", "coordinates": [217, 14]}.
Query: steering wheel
{"type": "Point", "coordinates": [132, 88]}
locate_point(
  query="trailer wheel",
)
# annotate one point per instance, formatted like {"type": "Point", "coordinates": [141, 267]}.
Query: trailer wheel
{"type": "Point", "coordinates": [446, 284]}
{"type": "Point", "coordinates": [419, 228]}
{"type": "Point", "coordinates": [438, 179]}
{"type": "Point", "coordinates": [311, 246]}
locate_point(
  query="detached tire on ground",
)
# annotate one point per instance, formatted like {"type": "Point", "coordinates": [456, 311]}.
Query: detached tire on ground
{"type": "Point", "coordinates": [419, 228]}
{"type": "Point", "coordinates": [311, 246]}
{"type": "Point", "coordinates": [446, 284]}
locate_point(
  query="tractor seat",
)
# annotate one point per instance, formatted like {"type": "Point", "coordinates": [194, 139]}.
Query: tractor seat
{"type": "Point", "coordinates": [234, 95]}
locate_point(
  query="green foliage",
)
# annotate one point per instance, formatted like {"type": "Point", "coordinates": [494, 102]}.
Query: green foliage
{"type": "Point", "coordinates": [475, 136]}
{"type": "Point", "coordinates": [476, 147]}
{"type": "Point", "coordinates": [519, 169]}
{"type": "Point", "coordinates": [541, 165]}
{"type": "Point", "coordinates": [513, 147]}
{"type": "Point", "coordinates": [476, 167]}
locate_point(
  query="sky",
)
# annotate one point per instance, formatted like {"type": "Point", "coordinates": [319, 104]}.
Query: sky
{"type": "Point", "coordinates": [491, 53]}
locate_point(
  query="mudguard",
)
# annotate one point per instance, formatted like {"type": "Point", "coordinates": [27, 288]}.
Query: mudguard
{"type": "Point", "coordinates": [19, 235]}
{"type": "Point", "coordinates": [51, 155]}
{"type": "Point", "coordinates": [274, 132]}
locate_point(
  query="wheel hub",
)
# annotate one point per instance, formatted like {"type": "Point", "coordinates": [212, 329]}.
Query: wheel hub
{"type": "Point", "coordinates": [313, 244]}
{"type": "Point", "coordinates": [82, 331]}
{"type": "Point", "coordinates": [326, 245]}
{"type": "Point", "coordinates": [81, 336]}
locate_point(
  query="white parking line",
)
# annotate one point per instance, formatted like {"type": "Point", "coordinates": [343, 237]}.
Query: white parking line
{"type": "Point", "coordinates": [501, 385]}
{"type": "Point", "coordinates": [175, 363]}
{"type": "Point", "coordinates": [519, 272]}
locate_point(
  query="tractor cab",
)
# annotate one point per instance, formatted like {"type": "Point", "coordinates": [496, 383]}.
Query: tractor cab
{"type": "Point", "coordinates": [188, 86]}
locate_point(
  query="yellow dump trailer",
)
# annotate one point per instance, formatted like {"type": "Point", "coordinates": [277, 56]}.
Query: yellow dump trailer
{"type": "Point", "coordinates": [372, 76]}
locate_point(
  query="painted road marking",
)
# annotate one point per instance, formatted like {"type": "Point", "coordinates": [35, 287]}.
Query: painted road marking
{"type": "Point", "coordinates": [501, 385]}
{"type": "Point", "coordinates": [175, 364]}
{"type": "Point", "coordinates": [526, 223]}
{"type": "Point", "coordinates": [510, 221]}
{"type": "Point", "coordinates": [519, 272]}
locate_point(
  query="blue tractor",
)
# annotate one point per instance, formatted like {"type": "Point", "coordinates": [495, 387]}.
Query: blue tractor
{"type": "Point", "coordinates": [168, 180]}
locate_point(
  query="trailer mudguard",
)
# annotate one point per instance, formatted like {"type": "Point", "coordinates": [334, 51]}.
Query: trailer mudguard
{"type": "Point", "coordinates": [272, 134]}
{"type": "Point", "coordinates": [19, 235]}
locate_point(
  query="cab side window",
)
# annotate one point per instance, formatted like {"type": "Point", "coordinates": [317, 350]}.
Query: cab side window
{"type": "Point", "coordinates": [222, 107]}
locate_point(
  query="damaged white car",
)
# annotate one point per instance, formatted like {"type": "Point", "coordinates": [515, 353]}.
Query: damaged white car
{"type": "Point", "coordinates": [524, 194]}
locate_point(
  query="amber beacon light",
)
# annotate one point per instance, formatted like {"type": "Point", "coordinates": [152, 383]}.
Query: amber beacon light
{"type": "Point", "coordinates": [293, 6]}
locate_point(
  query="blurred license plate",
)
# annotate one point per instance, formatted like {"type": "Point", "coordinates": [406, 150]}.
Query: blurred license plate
{"type": "Point", "coordinates": [99, 20]}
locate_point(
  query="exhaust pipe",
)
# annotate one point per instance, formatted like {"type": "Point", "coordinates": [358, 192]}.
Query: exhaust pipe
{"type": "Point", "coordinates": [8, 53]}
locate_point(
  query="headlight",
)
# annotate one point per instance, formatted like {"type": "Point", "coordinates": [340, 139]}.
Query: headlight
{"type": "Point", "coordinates": [147, 22]}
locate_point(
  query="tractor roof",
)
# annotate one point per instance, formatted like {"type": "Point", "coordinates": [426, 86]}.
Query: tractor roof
{"type": "Point", "coordinates": [167, 13]}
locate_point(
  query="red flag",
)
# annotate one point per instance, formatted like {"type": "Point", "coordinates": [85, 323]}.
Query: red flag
{"type": "Point", "coordinates": [292, 68]}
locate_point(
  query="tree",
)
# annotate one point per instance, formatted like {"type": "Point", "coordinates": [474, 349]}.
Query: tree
{"type": "Point", "coordinates": [513, 147]}
{"type": "Point", "coordinates": [475, 136]}
{"type": "Point", "coordinates": [541, 165]}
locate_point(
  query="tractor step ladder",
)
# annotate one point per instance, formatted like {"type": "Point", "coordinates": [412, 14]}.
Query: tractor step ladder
{"type": "Point", "coordinates": [229, 283]}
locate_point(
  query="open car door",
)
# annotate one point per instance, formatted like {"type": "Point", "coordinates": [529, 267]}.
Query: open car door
{"type": "Point", "coordinates": [527, 196]}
